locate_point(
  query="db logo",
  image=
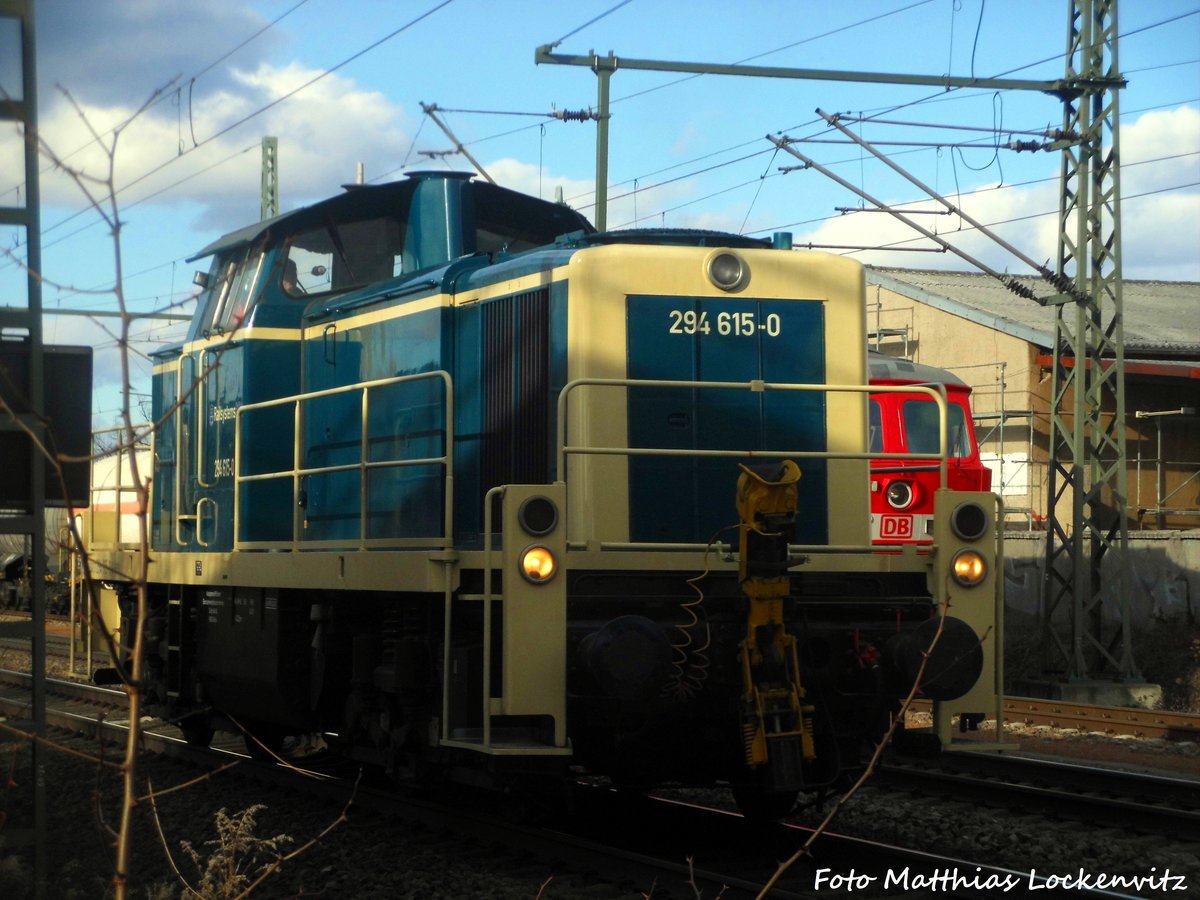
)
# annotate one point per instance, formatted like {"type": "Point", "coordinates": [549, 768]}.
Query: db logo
{"type": "Point", "coordinates": [896, 527]}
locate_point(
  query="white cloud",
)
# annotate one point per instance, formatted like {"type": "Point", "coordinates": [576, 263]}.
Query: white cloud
{"type": "Point", "coordinates": [1160, 214]}
{"type": "Point", "coordinates": [1160, 150]}
{"type": "Point", "coordinates": [1005, 210]}
{"type": "Point", "coordinates": [323, 131]}
{"type": "Point", "coordinates": [537, 182]}
{"type": "Point", "coordinates": [141, 44]}
{"type": "Point", "coordinates": [1160, 229]}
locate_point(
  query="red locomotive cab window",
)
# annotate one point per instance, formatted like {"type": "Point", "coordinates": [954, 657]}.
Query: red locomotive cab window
{"type": "Point", "coordinates": [875, 424]}
{"type": "Point", "coordinates": [921, 428]}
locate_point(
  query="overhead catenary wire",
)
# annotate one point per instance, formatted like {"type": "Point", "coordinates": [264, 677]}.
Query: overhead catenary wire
{"type": "Point", "coordinates": [939, 97]}
{"type": "Point", "coordinates": [307, 84]}
{"type": "Point", "coordinates": [807, 40]}
{"type": "Point", "coordinates": [590, 22]}
{"type": "Point", "coordinates": [848, 160]}
{"type": "Point", "coordinates": [431, 110]}
{"type": "Point", "coordinates": [134, 203]}
{"type": "Point", "coordinates": [957, 210]}
{"type": "Point", "coordinates": [757, 56]}
{"type": "Point", "coordinates": [169, 94]}
{"type": "Point", "coordinates": [987, 190]}
{"type": "Point", "coordinates": [1012, 220]}
{"type": "Point", "coordinates": [643, 187]}
{"type": "Point", "coordinates": [276, 101]}
{"type": "Point", "coordinates": [1006, 280]}
{"type": "Point", "coordinates": [868, 20]}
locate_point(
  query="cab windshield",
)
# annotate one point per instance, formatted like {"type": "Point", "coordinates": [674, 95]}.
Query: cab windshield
{"type": "Point", "coordinates": [921, 428]}
{"type": "Point", "coordinates": [232, 288]}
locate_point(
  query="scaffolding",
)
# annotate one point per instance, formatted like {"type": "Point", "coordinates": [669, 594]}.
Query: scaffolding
{"type": "Point", "coordinates": [1162, 505]}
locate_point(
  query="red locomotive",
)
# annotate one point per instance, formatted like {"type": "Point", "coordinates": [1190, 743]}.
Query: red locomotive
{"type": "Point", "coordinates": [907, 422]}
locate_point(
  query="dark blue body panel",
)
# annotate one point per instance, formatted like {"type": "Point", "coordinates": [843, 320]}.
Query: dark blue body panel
{"type": "Point", "coordinates": [405, 421]}
{"type": "Point", "coordinates": [507, 360]}
{"type": "Point", "coordinates": [671, 498]}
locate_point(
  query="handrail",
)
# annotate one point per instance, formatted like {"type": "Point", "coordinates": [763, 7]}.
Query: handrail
{"type": "Point", "coordinates": [200, 505]}
{"type": "Point", "coordinates": [363, 466]}
{"type": "Point", "coordinates": [181, 448]}
{"type": "Point", "coordinates": [201, 378]}
{"type": "Point", "coordinates": [936, 392]}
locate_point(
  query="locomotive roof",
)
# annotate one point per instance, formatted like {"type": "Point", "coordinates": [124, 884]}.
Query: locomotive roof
{"type": "Point", "coordinates": [883, 367]}
{"type": "Point", "coordinates": [491, 202]}
{"type": "Point", "coordinates": [691, 237]}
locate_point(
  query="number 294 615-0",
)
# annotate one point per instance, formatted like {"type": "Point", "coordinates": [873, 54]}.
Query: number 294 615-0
{"type": "Point", "coordinates": [734, 324]}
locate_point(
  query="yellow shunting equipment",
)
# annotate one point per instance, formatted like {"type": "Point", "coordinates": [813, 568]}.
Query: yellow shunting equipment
{"type": "Point", "coordinates": [777, 727]}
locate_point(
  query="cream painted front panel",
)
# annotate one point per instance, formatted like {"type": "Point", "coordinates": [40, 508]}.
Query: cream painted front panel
{"type": "Point", "coordinates": [602, 279]}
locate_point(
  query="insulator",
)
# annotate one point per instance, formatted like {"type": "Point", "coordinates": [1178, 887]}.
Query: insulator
{"type": "Point", "coordinates": [1062, 283]}
{"type": "Point", "coordinates": [568, 115]}
{"type": "Point", "coordinates": [1033, 146]}
{"type": "Point", "coordinates": [1019, 289]}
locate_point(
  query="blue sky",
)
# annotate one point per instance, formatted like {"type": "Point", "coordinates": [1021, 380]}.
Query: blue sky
{"type": "Point", "coordinates": [340, 82]}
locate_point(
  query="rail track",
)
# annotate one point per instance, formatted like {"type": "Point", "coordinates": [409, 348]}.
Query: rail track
{"type": "Point", "coordinates": [1099, 796]}
{"type": "Point", "coordinates": [610, 835]}
{"type": "Point", "coordinates": [63, 656]}
{"type": "Point", "coordinates": [1095, 719]}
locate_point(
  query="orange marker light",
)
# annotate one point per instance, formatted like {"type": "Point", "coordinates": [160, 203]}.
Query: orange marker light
{"type": "Point", "coordinates": [538, 564]}
{"type": "Point", "coordinates": [969, 567]}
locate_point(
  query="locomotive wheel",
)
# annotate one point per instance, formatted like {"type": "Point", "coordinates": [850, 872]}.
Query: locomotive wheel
{"type": "Point", "coordinates": [760, 805]}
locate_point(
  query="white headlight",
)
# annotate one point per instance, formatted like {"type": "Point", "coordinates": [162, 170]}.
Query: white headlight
{"type": "Point", "coordinates": [899, 495]}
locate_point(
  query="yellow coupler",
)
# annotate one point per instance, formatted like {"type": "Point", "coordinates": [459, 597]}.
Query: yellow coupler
{"type": "Point", "coordinates": [775, 721]}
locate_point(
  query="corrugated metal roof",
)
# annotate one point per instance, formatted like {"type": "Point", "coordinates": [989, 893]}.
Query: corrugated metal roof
{"type": "Point", "coordinates": [1162, 318]}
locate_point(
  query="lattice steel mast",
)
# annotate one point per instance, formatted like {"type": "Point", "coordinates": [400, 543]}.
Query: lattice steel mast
{"type": "Point", "coordinates": [1086, 604]}
{"type": "Point", "coordinates": [268, 205]}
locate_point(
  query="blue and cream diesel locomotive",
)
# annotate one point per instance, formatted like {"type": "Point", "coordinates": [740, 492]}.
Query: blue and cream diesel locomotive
{"type": "Point", "coordinates": [475, 491]}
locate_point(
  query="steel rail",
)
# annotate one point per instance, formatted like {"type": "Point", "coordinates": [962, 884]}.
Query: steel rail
{"type": "Point", "coordinates": [1090, 717]}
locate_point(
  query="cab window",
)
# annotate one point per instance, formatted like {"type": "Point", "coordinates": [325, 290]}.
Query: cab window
{"type": "Point", "coordinates": [876, 428]}
{"type": "Point", "coordinates": [921, 428]}
{"type": "Point", "coordinates": [241, 293]}
{"type": "Point", "coordinates": [342, 256]}
{"type": "Point", "coordinates": [217, 294]}
{"type": "Point", "coordinates": [231, 291]}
